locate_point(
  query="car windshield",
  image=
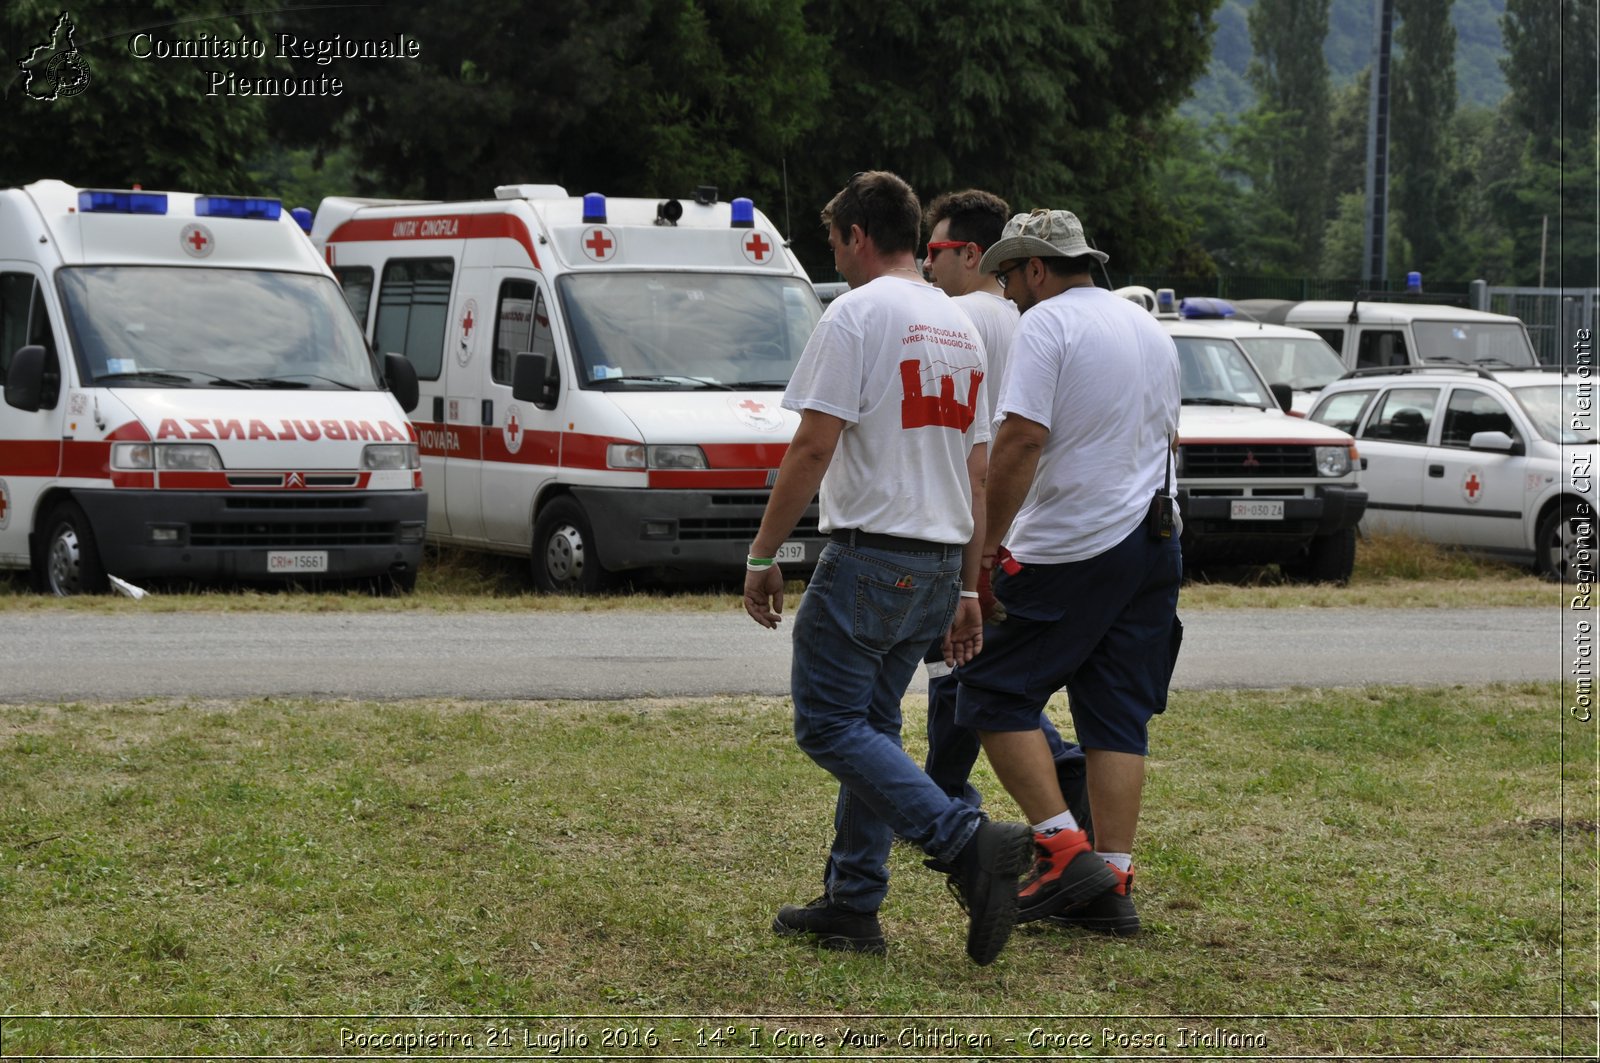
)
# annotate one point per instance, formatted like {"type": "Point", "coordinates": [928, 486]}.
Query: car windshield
{"type": "Point", "coordinates": [1550, 408]}
{"type": "Point", "coordinates": [152, 326]}
{"type": "Point", "coordinates": [1473, 343]}
{"type": "Point", "coordinates": [1304, 363]}
{"type": "Point", "coordinates": [1215, 372]}
{"type": "Point", "coordinates": [686, 331]}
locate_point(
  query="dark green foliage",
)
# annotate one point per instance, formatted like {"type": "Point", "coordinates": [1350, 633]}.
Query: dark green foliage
{"type": "Point", "coordinates": [1424, 94]}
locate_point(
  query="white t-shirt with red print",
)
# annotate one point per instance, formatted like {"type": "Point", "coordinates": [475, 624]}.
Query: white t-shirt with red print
{"type": "Point", "coordinates": [904, 368]}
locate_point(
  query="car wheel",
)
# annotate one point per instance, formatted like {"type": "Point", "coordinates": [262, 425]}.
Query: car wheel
{"type": "Point", "coordinates": [1327, 559]}
{"type": "Point", "coordinates": [565, 560]}
{"type": "Point", "coordinates": [1557, 546]}
{"type": "Point", "coordinates": [70, 559]}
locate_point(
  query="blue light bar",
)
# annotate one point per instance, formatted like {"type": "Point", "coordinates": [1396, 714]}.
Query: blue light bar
{"type": "Point", "coordinates": [594, 209]}
{"type": "Point", "coordinates": [237, 207]}
{"type": "Point", "coordinates": [744, 214]}
{"type": "Point", "coordinates": [1198, 307]}
{"type": "Point", "coordinates": [99, 202]}
{"type": "Point", "coordinates": [302, 217]}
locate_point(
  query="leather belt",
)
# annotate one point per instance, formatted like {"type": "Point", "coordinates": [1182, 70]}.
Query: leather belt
{"type": "Point", "coordinates": [895, 543]}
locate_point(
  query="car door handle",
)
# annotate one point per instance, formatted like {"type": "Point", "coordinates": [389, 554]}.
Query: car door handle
{"type": "Point", "coordinates": [1436, 470]}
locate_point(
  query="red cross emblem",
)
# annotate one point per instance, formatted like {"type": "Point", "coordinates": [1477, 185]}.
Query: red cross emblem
{"type": "Point", "coordinates": [757, 247]}
{"type": "Point", "coordinates": [598, 244]}
{"type": "Point", "coordinates": [753, 406]}
{"type": "Point", "coordinates": [4, 505]}
{"type": "Point", "coordinates": [512, 428]}
{"type": "Point", "coordinates": [466, 322]}
{"type": "Point", "coordinates": [198, 240]}
{"type": "Point", "coordinates": [1472, 485]}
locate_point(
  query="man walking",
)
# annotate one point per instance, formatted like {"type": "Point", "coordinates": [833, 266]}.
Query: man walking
{"type": "Point", "coordinates": [893, 429]}
{"type": "Point", "coordinates": [1082, 524]}
{"type": "Point", "coordinates": [962, 226]}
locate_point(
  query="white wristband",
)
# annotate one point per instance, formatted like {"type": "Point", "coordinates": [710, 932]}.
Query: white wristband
{"type": "Point", "coordinates": [969, 594]}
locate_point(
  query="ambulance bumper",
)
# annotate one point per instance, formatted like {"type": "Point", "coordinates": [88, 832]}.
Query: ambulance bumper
{"type": "Point", "coordinates": [691, 531]}
{"type": "Point", "coordinates": [228, 535]}
{"type": "Point", "coordinates": [1211, 533]}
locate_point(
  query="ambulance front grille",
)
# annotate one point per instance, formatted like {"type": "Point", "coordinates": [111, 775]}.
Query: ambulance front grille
{"type": "Point", "coordinates": [296, 501]}
{"type": "Point", "coordinates": [317, 534]}
{"type": "Point", "coordinates": [1206, 460]}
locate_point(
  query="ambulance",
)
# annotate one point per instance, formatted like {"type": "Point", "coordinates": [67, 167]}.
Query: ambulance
{"type": "Point", "coordinates": [187, 397]}
{"type": "Point", "coordinates": [600, 377]}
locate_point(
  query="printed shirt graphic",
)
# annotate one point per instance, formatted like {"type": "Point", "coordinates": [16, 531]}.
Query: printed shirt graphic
{"type": "Point", "coordinates": [56, 68]}
{"type": "Point", "coordinates": [906, 370]}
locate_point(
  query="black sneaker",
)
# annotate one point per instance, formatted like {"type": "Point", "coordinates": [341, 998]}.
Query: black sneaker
{"type": "Point", "coordinates": [1112, 912]}
{"type": "Point", "coordinates": [832, 926]}
{"type": "Point", "coordinates": [986, 873]}
{"type": "Point", "coordinates": [1067, 872]}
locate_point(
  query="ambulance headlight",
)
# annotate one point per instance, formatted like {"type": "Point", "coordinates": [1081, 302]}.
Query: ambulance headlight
{"type": "Point", "coordinates": [1333, 461]}
{"type": "Point", "coordinates": [181, 456]}
{"type": "Point", "coordinates": [625, 456]}
{"type": "Point", "coordinates": [188, 457]}
{"type": "Point", "coordinates": [380, 457]}
{"type": "Point", "coordinates": [677, 457]}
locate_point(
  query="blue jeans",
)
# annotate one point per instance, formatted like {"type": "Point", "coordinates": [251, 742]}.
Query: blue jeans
{"type": "Point", "coordinates": [861, 630]}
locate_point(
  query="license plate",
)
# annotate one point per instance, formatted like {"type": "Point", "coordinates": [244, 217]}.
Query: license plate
{"type": "Point", "coordinates": [791, 552]}
{"type": "Point", "coordinates": [1256, 509]}
{"type": "Point", "coordinates": [288, 561]}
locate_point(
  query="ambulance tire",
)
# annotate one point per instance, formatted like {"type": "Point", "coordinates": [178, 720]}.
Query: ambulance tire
{"type": "Point", "coordinates": [69, 559]}
{"type": "Point", "coordinates": [565, 560]}
{"type": "Point", "coordinates": [1557, 541]}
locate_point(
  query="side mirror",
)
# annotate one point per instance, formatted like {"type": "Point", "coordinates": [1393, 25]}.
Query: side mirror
{"type": "Point", "coordinates": [535, 378]}
{"type": "Point", "coordinates": [1284, 394]}
{"type": "Point", "coordinates": [25, 379]}
{"type": "Point", "coordinates": [401, 377]}
{"type": "Point", "coordinates": [1496, 441]}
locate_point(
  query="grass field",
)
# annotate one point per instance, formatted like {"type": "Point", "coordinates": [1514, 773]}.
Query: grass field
{"type": "Point", "coordinates": [1337, 873]}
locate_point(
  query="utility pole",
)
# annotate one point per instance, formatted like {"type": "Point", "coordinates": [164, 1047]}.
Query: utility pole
{"type": "Point", "coordinates": [1374, 245]}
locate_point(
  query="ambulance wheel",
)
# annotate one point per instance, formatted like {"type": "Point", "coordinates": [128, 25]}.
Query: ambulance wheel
{"type": "Point", "coordinates": [70, 561]}
{"type": "Point", "coordinates": [565, 560]}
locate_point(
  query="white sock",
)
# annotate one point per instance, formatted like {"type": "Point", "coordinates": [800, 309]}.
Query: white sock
{"type": "Point", "coordinates": [1121, 861]}
{"type": "Point", "coordinates": [1061, 822]}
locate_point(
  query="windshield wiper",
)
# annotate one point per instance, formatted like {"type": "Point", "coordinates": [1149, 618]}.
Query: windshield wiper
{"type": "Point", "coordinates": [284, 381]}
{"type": "Point", "coordinates": [170, 376]}
{"type": "Point", "coordinates": [664, 379]}
{"type": "Point", "coordinates": [759, 385]}
{"type": "Point", "coordinates": [1209, 401]}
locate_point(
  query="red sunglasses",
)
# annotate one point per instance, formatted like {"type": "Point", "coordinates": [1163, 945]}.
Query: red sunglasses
{"type": "Point", "coordinates": [935, 246]}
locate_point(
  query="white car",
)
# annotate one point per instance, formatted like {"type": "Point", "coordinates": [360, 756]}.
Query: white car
{"type": "Point", "coordinates": [1500, 463]}
{"type": "Point", "coordinates": [1256, 486]}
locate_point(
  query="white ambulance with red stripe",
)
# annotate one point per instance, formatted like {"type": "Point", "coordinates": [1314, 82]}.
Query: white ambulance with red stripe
{"type": "Point", "coordinates": [600, 378]}
{"type": "Point", "coordinates": [188, 397]}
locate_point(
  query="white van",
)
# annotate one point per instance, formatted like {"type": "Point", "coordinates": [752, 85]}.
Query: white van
{"type": "Point", "coordinates": [1368, 334]}
{"type": "Point", "coordinates": [600, 378]}
{"type": "Point", "coordinates": [187, 396]}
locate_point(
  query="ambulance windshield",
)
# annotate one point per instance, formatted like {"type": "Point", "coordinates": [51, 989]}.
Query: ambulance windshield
{"type": "Point", "coordinates": [687, 331]}
{"type": "Point", "coordinates": [151, 326]}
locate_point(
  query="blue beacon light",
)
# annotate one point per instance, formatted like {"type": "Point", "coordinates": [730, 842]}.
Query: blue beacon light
{"type": "Point", "coordinates": [103, 202]}
{"type": "Point", "coordinates": [594, 209]}
{"type": "Point", "coordinates": [744, 213]}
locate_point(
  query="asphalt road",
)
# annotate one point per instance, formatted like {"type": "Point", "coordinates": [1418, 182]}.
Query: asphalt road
{"type": "Point", "coordinates": [49, 657]}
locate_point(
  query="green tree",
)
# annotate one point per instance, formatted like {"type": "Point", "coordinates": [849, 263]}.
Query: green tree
{"type": "Point", "coordinates": [1290, 77]}
{"type": "Point", "coordinates": [1424, 90]}
{"type": "Point", "coordinates": [1046, 103]}
{"type": "Point", "coordinates": [147, 121]}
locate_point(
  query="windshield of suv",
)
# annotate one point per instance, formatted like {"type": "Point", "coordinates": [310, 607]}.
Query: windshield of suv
{"type": "Point", "coordinates": [1304, 364]}
{"type": "Point", "coordinates": [154, 326]}
{"type": "Point", "coordinates": [1547, 406]}
{"type": "Point", "coordinates": [685, 331]}
{"type": "Point", "coordinates": [1488, 343]}
{"type": "Point", "coordinates": [1215, 372]}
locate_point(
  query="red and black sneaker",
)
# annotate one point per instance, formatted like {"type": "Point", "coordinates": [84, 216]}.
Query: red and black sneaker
{"type": "Point", "coordinates": [1066, 871]}
{"type": "Point", "coordinates": [1112, 912]}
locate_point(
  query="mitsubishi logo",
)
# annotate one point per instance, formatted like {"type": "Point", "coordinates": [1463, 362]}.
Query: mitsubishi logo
{"type": "Point", "coordinates": [1250, 461]}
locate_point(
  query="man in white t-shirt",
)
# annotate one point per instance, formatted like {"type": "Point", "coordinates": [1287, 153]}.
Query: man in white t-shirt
{"type": "Point", "coordinates": [893, 429]}
{"type": "Point", "coordinates": [1080, 516]}
{"type": "Point", "coordinates": [962, 226]}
